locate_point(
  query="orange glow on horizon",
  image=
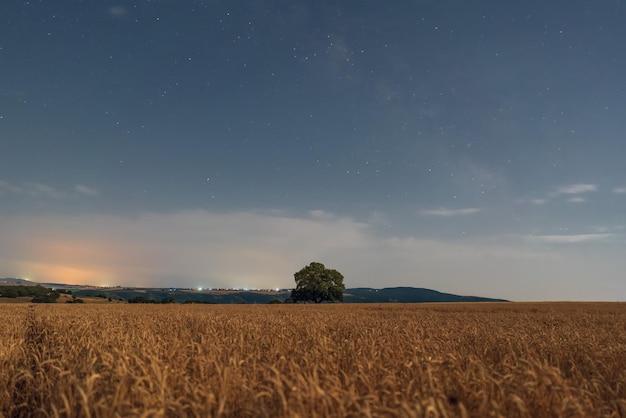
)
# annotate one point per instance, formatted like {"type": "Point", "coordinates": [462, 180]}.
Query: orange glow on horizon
{"type": "Point", "coordinates": [50, 273]}
{"type": "Point", "coordinates": [82, 261]}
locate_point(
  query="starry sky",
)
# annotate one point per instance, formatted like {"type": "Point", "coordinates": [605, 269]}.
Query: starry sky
{"type": "Point", "coordinates": [473, 147]}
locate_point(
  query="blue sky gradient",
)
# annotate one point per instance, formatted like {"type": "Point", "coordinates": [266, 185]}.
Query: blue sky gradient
{"type": "Point", "coordinates": [473, 148]}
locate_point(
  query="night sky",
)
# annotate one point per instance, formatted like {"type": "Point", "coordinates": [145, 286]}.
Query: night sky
{"type": "Point", "coordinates": [468, 147]}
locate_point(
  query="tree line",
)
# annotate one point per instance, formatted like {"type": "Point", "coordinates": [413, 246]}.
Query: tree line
{"type": "Point", "coordinates": [39, 293]}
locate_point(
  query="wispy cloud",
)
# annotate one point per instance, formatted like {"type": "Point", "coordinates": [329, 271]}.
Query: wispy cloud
{"type": "Point", "coordinates": [571, 239]}
{"type": "Point", "coordinates": [28, 188]}
{"type": "Point", "coordinates": [449, 212]}
{"type": "Point", "coordinates": [572, 192]}
{"type": "Point", "coordinates": [86, 190]}
{"type": "Point", "coordinates": [619, 190]}
{"type": "Point", "coordinates": [576, 189]}
{"type": "Point", "coordinates": [40, 190]}
{"type": "Point", "coordinates": [6, 188]}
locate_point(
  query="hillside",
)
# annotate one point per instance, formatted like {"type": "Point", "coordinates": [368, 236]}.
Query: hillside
{"type": "Point", "coordinates": [233, 296]}
{"type": "Point", "coordinates": [407, 295]}
{"type": "Point", "coordinates": [10, 281]}
{"type": "Point", "coordinates": [355, 295]}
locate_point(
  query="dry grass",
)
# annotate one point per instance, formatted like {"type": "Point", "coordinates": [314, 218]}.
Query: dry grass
{"type": "Point", "coordinates": [20, 299]}
{"type": "Point", "coordinates": [440, 360]}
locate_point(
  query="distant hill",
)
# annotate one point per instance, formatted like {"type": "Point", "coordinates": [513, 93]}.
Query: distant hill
{"type": "Point", "coordinates": [10, 281]}
{"type": "Point", "coordinates": [407, 295]}
{"type": "Point", "coordinates": [352, 295]}
{"type": "Point", "coordinates": [186, 295]}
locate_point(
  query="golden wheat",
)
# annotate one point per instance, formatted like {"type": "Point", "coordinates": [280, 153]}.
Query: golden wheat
{"type": "Point", "coordinates": [439, 360]}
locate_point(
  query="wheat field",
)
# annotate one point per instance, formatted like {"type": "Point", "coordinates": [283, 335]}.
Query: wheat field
{"type": "Point", "coordinates": [420, 360]}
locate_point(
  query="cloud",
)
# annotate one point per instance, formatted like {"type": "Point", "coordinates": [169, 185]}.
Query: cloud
{"type": "Point", "coordinates": [40, 190]}
{"type": "Point", "coordinates": [264, 249]}
{"type": "Point", "coordinates": [571, 239]}
{"type": "Point", "coordinates": [43, 190]}
{"type": "Point", "coordinates": [82, 189]}
{"type": "Point", "coordinates": [576, 189]}
{"type": "Point", "coordinates": [243, 249]}
{"type": "Point", "coordinates": [571, 191]}
{"type": "Point", "coordinates": [28, 188]}
{"type": "Point", "coordinates": [6, 187]}
{"type": "Point", "coordinates": [534, 201]}
{"type": "Point", "coordinates": [619, 190]}
{"type": "Point", "coordinates": [449, 212]}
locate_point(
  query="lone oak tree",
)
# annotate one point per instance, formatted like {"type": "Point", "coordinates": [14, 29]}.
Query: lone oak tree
{"type": "Point", "coordinates": [318, 284]}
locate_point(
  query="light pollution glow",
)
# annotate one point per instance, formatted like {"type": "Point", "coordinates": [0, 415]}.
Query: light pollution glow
{"type": "Point", "coordinates": [260, 250]}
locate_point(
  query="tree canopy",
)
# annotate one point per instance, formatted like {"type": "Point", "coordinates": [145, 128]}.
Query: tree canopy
{"type": "Point", "coordinates": [318, 284]}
